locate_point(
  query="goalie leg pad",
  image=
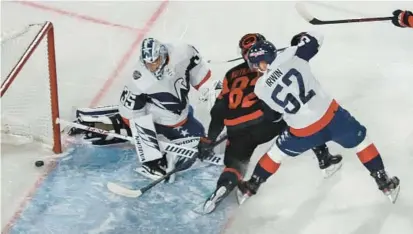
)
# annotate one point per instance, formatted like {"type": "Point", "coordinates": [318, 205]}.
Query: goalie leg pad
{"type": "Point", "coordinates": [107, 118]}
{"type": "Point", "coordinates": [97, 111]}
{"type": "Point", "coordinates": [145, 138]}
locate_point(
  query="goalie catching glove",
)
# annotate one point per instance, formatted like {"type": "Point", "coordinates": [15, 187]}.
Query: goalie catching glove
{"type": "Point", "coordinates": [107, 118]}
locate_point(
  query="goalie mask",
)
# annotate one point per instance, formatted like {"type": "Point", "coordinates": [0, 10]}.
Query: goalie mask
{"type": "Point", "coordinates": [154, 56]}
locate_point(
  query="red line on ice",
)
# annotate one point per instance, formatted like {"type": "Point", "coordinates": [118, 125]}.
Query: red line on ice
{"type": "Point", "coordinates": [74, 15]}
{"type": "Point", "coordinates": [112, 77]}
{"type": "Point", "coordinates": [141, 34]}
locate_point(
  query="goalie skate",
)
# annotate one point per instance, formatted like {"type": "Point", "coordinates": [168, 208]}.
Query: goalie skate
{"type": "Point", "coordinates": [154, 169]}
{"type": "Point", "coordinates": [149, 173]}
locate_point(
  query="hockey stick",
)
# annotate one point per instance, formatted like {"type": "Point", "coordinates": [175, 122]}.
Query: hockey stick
{"type": "Point", "coordinates": [134, 193]}
{"type": "Point", "coordinates": [312, 20]}
{"type": "Point", "coordinates": [236, 59]}
{"type": "Point", "coordinates": [165, 146]}
{"type": "Point", "coordinates": [226, 61]}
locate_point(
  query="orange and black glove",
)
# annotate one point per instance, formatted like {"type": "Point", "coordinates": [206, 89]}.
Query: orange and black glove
{"type": "Point", "coordinates": [402, 18]}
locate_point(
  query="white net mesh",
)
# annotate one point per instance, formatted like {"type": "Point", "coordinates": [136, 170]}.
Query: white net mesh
{"type": "Point", "coordinates": [26, 105]}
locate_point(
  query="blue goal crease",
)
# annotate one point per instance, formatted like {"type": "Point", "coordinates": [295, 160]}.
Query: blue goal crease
{"type": "Point", "coordinates": [74, 198]}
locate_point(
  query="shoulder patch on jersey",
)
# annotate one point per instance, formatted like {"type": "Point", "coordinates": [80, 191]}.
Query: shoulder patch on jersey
{"type": "Point", "coordinates": [137, 74]}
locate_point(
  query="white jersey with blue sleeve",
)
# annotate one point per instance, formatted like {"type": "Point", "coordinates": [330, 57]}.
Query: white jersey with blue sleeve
{"type": "Point", "coordinates": [167, 98]}
{"type": "Point", "coordinates": [289, 87]}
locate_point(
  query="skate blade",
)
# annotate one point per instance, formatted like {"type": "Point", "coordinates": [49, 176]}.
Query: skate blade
{"type": "Point", "coordinates": [211, 204]}
{"type": "Point", "coordinates": [199, 209]}
{"type": "Point", "coordinates": [329, 171]}
{"type": "Point", "coordinates": [393, 194]}
{"type": "Point", "coordinates": [241, 197]}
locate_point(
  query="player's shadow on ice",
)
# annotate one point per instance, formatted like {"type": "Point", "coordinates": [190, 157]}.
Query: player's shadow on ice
{"type": "Point", "coordinates": [380, 212]}
{"type": "Point", "coordinates": [375, 223]}
{"type": "Point", "coordinates": [304, 214]}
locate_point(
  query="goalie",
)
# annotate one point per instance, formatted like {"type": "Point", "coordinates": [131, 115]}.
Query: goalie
{"type": "Point", "coordinates": [154, 102]}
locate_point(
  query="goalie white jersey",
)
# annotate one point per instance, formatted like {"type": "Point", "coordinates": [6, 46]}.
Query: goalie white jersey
{"type": "Point", "coordinates": [289, 87]}
{"type": "Point", "coordinates": [167, 98]}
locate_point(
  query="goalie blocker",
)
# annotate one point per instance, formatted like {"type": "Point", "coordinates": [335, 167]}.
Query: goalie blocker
{"type": "Point", "coordinates": [155, 163]}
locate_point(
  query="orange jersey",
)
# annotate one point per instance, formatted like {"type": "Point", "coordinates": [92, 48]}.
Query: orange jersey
{"type": "Point", "coordinates": [237, 105]}
{"type": "Point", "coordinates": [242, 105]}
{"type": "Point", "coordinates": [410, 21]}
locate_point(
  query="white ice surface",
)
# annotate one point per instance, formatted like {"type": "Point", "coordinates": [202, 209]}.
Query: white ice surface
{"type": "Point", "coordinates": [368, 67]}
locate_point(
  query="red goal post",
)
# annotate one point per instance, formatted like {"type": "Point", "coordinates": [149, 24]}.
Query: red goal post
{"type": "Point", "coordinates": [46, 33]}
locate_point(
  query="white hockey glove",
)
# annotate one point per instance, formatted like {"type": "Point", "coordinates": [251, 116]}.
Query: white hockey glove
{"type": "Point", "coordinates": [107, 118]}
{"type": "Point", "coordinates": [210, 91]}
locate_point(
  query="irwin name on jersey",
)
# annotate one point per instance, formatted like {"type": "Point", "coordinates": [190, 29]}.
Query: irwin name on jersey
{"type": "Point", "coordinates": [274, 77]}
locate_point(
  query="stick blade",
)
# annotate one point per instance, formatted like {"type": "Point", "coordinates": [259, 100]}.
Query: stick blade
{"type": "Point", "coordinates": [122, 191]}
{"type": "Point", "coordinates": [303, 12]}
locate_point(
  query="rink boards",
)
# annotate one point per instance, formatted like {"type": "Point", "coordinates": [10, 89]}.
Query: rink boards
{"type": "Point", "coordinates": [74, 199]}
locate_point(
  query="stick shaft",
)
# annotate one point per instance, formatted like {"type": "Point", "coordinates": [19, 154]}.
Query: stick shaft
{"type": "Point", "coordinates": [92, 129]}
{"type": "Point", "coordinates": [239, 58]}
{"type": "Point", "coordinates": [316, 21]}
{"type": "Point", "coordinates": [302, 10]}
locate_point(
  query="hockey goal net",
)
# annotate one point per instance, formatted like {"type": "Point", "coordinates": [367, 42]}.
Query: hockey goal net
{"type": "Point", "coordinates": [29, 90]}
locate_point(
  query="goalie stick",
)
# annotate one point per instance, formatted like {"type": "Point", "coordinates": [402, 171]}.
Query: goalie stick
{"type": "Point", "coordinates": [165, 146]}
{"type": "Point", "coordinates": [312, 20]}
{"type": "Point", "coordinates": [134, 193]}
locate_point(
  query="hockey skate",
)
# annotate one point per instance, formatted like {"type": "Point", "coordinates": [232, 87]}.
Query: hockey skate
{"type": "Point", "coordinates": [389, 186]}
{"type": "Point", "coordinates": [154, 169]}
{"type": "Point", "coordinates": [246, 189]}
{"type": "Point", "coordinates": [216, 197]}
{"type": "Point", "coordinates": [329, 164]}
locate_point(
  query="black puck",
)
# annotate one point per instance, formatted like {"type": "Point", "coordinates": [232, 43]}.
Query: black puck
{"type": "Point", "coordinates": [39, 163]}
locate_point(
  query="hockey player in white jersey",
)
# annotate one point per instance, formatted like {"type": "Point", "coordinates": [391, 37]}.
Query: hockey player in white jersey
{"type": "Point", "coordinates": [153, 103]}
{"type": "Point", "coordinates": [289, 87]}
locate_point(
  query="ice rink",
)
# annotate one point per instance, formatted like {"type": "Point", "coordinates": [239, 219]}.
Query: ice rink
{"type": "Point", "coordinates": [367, 67]}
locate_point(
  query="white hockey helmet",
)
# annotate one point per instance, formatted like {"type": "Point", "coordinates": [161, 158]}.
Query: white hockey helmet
{"type": "Point", "coordinates": [154, 55]}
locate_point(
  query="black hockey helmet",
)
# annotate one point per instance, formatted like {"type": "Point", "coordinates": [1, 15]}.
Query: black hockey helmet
{"type": "Point", "coordinates": [247, 41]}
